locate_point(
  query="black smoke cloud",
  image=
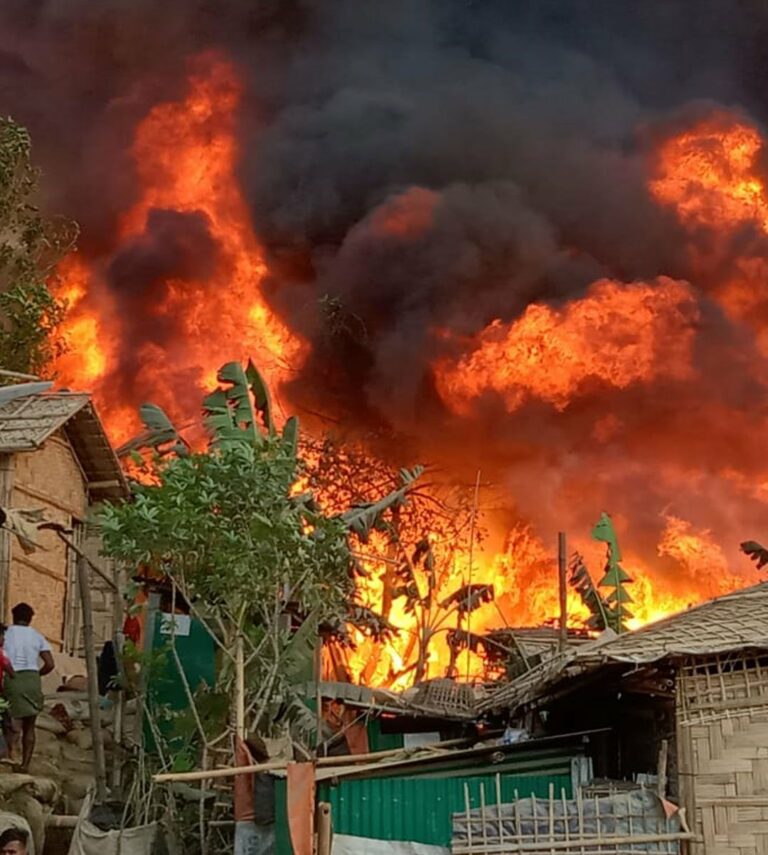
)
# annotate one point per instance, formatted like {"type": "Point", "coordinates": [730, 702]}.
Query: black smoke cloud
{"type": "Point", "coordinates": [174, 248]}
{"type": "Point", "coordinates": [528, 122]}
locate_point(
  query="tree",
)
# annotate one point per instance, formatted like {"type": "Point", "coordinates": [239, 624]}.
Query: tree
{"type": "Point", "coordinates": [260, 565]}
{"type": "Point", "coordinates": [609, 611]}
{"type": "Point", "coordinates": [31, 246]}
{"type": "Point", "coordinates": [416, 567]}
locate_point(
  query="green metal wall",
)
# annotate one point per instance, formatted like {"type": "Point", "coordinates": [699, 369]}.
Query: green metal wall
{"type": "Point", "coordinates": [419, 808]}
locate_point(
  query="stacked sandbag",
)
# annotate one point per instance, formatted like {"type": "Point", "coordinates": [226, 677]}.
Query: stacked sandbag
{"type": "Point", "coordinates": [31, 797]}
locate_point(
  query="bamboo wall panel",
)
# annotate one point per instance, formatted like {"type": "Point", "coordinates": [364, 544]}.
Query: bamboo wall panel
{"type": "Point", "coordinates": [723, 742]}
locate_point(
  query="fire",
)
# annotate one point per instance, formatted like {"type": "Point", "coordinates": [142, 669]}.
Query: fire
{"type": "Point", "coordinates": [710, 176]}
{"type": "Point", "coordinates": [709, 173]}
{"type": "Point", "coordinates": [185, 156]}
{"type": "Point", "coordinates": [616, 335]}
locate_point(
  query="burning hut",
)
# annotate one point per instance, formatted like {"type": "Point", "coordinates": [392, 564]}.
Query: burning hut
{"type": "Point", "coordinates": [685, 704]}
{"type": "Point", "coordinates": [55, 458]}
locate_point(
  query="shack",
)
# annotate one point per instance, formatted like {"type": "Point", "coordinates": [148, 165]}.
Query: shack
{"type": "Point", "coordinates": [55, 457]}
{"type": "Point", "coordinates": [684, 704]}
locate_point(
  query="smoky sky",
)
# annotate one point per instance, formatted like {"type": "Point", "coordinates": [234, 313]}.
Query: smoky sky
{"type": "Point", "coordinates": [528, 122]}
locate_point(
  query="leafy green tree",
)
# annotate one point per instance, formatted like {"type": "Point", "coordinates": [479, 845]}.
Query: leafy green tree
{"type": "Point", "coordinates": [31, 246]}
{"type": "Point", "coordinates": [259, 565]}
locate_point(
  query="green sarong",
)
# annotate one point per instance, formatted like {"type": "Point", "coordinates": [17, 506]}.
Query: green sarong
{"type": "Point", "coordinates": [24, 693]}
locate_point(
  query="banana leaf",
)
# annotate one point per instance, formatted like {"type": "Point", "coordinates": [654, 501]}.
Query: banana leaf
{"type": "Point", "coordinates": [469, 597]}
{"type": "Point", "coordinates": [756, 552]}
{"type": "Point", "coordinates": [581, 580]}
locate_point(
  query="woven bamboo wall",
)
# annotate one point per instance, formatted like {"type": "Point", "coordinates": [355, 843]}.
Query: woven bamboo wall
{"type": "Point", "coordinates": [722, 730]}
{"type": "Point", "coordinates": [51, 479]}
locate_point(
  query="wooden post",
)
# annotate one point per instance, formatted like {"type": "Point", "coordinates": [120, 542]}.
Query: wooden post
{"type": "Point", "coordinates": [119, 643]}
{"type": "Point", "coordinates": [661, 770]}
{"type": "Point", "coordinates": [93, 679]}
{"type": "Point", "coordinates": [323, 828]}
{"type": "Point", "coordinates": [239, 689]}
{"type": "Point", "coordinates": [318, 669]}
{"type": "Point", "coordinates": [6, 489]}
{"type": "Point", "coordinates": [562, 562]}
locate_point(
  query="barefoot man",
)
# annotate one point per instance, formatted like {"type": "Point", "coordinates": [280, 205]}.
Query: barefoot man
{"type": "Point", "coordinates": [27, 649]}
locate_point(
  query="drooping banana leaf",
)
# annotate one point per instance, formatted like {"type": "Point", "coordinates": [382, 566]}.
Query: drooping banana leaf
{"type": "Point", "coordinates": [581, 580]}
{"type": "Point", "coordinates": [364, 518]}
{"type": "Point", "coordinates": [614, 575]}
{"type": "Point", "coordinates": [467, 598]}
{"type": "Point", "coordinates": [291, 434]}
{"type": "Point", "coordinates": [299, 653]}
{"type": "Point", "coordinates": [376, 625]}
{"type": "Point", "coordinates": [756, 552]}
{"type": "Point", "coordinates": [160, 434]}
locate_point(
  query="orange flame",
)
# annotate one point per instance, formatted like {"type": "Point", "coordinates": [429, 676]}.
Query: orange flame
{"type": "Point", "coordinates": [185, 155]}
{"type": "Point", "coordinates": [616, 335]}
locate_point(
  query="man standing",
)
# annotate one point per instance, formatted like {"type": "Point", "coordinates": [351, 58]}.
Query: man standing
{"type": "Point", "coordinates": [26, 648]}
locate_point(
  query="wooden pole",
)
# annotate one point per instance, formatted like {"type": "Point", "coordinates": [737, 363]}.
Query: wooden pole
{"type": "Point", "coordinates": [323, 828]}
{"type": "Point", "coordinates": [661, 770]}
{"type": "Point", "coordinates": [118, 641]}
{"type": "Point", "coordinates": [562, 561]}
{"type": "Point", "coordinates": [93, 679]}
{"type": "Point", "coordinates": [83, 557]}
{"type": "Point", "coordinates": [472, 521]}
{"type": "Point", "coordinates": [240, 689]}
{"type": "Point", "coordinates": [6, 545]}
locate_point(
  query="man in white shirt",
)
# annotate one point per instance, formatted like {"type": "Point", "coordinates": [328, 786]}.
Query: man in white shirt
{"type": "Point", "coordinates": [26, 648]}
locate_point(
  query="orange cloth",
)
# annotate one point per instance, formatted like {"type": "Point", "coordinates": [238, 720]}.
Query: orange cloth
{"type": "Point", "coordinates": [243, 788]}
{"type": "Point", "coordinates": [356, 733]}
{"type": "Point", "coordinates": [301, 806]}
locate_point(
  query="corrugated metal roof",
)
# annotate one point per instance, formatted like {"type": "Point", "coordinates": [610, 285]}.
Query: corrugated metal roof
{"type": "Point", "coordinates": [733, 622]}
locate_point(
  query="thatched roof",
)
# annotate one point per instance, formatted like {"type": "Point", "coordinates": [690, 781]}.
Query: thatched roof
{"type": "Point", "coordinates": [736, 621]}
{"type": "Point", "coordinates": [28, 420]}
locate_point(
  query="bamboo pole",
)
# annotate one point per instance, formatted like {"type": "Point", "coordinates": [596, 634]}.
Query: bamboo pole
{"type": "Point", "coordinates": [89, 643]}
{"type": "Point", "coordinates": [472, 522]}
{"type": "Point", "coordinates": [661, 769]}
{"type": "Point", "coordinates": [82, 556]}
{"type": "Point", "coordinates": [323, 828]}
{"type": "Point", "coordinates": [278, 765]}
{"type": "Point", "coordinates": [562, 559]}
{"type": "Point", "coordinates": [240, 689]}
{"type": "Point", "coordinates": [6, 490]}
{"type": "Point", "coordinates": [118, 641]}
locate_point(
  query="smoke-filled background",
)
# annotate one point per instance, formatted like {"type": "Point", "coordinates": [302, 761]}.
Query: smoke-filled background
{"type": "Point", "coordinates": [411, 176]}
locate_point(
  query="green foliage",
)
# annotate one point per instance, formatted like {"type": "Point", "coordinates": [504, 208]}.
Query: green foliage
{"type": "Point", "coordinates": [241, 410]}
{"type": "Point", "coordinates": [225, 525]}
{"type": "Point", "coordinates": [30, 247]}
{"type": "Point", "coordinates": [255, 562]}
{"type": "Point", "coordinates": [160, 435]}
{"type": "Point", "coordinates": [615, 577]}
{"type": "Point", "coordinates": [581, 580]}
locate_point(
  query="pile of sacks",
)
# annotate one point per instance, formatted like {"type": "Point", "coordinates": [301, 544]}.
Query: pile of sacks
{"type": "Point", "coordinates": [64, 754]}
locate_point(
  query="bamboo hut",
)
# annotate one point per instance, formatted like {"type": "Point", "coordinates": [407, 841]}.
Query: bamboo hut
{"type": "Point", "coordinates": [55, 458]}
{"type": "Point", "coordinates": [687, 702]}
